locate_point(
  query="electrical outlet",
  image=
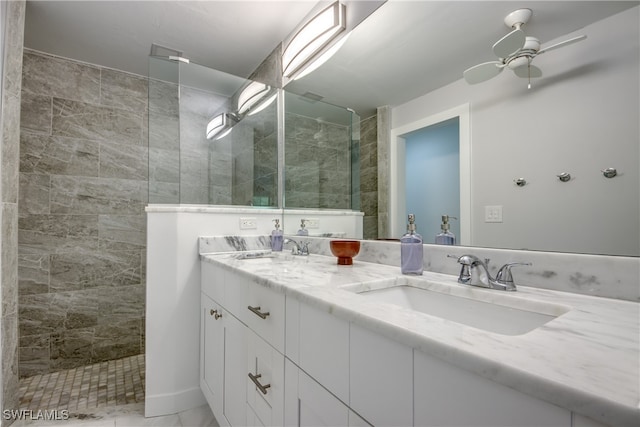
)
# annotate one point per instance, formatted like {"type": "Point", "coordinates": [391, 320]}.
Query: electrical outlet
{"type": "Point", "coordinates": [493, 213]}
{"type": "Point", "coordinates": [248, 223]}
{"type": "Point", "coordinates": [312, 223]}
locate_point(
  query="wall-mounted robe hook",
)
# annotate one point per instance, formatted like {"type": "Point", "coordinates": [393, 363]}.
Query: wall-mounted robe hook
{"type": "Point", "coordinates": [564, 176]}
{"type": "Point", "coordinates": [520, 182]}
{"type": "Point", "coordinates": [609, 172]}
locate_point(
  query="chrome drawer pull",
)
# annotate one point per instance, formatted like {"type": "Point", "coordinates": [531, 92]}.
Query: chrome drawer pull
{"type": "Point", "coordinates": [257, 312]}
{"type": "Point", "coordinates": [262, 388]}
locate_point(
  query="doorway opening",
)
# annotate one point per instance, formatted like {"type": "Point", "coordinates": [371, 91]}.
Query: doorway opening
{"type": "Point", "coordinates": [432, 177]}
{"type": "Point", "coordinates": [402, 197]}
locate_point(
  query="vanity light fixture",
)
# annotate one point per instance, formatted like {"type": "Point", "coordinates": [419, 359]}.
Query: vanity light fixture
{"type": "Point", "coordinates": [314, 36]}
{"type": "Point", "coordinates": [254, 98]}
{"type": "Point", "coordinates": [220, 126]}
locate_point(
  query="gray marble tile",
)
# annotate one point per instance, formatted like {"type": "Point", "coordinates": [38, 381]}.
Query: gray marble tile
{"type": "Point", "coordinates": [61, 225]}
{"type": "Point", "coordinates": [58, 155]}
{"type": "Point", "coordinates": [123, 161]}
{"type": "Point", "coordinates": [72, 271]}
{"type": "Point", "coordinates": [59, 77]}
{"type": "Point", "coordinates": [123, 90]}
{"type": "Point", "coordinates": [119, 304]}
{"type": "Point", "coordinates": [164, 131]}
{"type": "Point", "coordinates": [9, 259]}
{"type": "Point", "coordinates": [13, 48]}
{"type": "Point", "coordinates": [39, 315]}
{"type": "Point", "coordinates": [164, 165]}
{"type": "Point", "coordinates": [33, 361]}
{"type": "Point", "coordinates": [164, 192]}
{"type": "Point", "coordinates": [9, 353]}
{"type": "Point", "coordinates": [164, 98]}
{"type": "Point", "coordinates": [122, 232]}
{"type": "Point", "coordinates": [37, 243]}
{"type": "Point", "coordinates": [35, 113]}
{"type": "Point", "coordinates": [81, 120]}
{"type": "Point", "coordinates": [34, 193]}
{"type": "Point", "coordinates": [10, 148]}
{"type": "Point", "coordinates": [81, 195]}
{"type": "Point", "coordinates": [71, 348]}
{"type": "Point", "coordinates": [13, 42]}
{"type": "Point", "coordinates": [116, 340]}
{"type": "Point", "coordinates": [33, 273]}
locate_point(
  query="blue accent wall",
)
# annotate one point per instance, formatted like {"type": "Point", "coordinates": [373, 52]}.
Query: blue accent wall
{"type": "Point", "coordinates": [433, 177]}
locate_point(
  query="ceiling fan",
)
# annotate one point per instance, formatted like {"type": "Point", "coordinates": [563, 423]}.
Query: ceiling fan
{"type": "Point", "coordinates": [514, 51]}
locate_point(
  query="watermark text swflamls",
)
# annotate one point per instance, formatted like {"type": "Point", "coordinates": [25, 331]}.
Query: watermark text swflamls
{"type": "Point", "coordinates": [30, 414]}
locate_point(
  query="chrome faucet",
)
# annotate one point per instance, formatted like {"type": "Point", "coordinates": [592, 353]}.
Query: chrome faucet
{"type": "Point", "coordinates": [297, 248]}
{"type": "Point", "coordinates": [482, 278]}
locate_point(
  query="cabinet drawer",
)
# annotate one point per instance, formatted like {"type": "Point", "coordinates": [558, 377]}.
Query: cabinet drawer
{"type": "Point", "coordinates": [264, 313]}
{"type": "Point", "coordinates": [265, 381]}
{"type": "Point", "coordinates": [212, 281]}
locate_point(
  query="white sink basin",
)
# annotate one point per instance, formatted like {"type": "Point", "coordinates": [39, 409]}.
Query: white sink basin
{"type": "Point", "coordinates": [491, 310]}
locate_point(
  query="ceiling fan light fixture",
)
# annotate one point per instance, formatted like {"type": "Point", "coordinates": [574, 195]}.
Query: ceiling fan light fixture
{"type": "Point", "coordinates": [519, 61]}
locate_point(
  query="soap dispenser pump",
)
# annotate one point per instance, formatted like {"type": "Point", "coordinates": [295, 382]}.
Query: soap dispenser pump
{"type": "Point", "coordinates": [446, 237]}
{"type": "Point", "coordinates": [277, 239]}
{"type": "Point", "coordinates": [303, 231]}
{"type": "Point", "coordinates": [411, 249]}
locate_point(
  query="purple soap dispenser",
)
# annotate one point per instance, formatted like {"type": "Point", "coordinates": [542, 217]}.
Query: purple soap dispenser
{"type": "Point", "coordinates": [411, 250]}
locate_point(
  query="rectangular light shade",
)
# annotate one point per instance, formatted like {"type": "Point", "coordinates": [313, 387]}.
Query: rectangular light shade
{"type": "Point", "coordinates": [216, 125]}
{"type": "Point", "coordinates": [313, 37]}
{"type": "Point", "coordinates": [251, 95]}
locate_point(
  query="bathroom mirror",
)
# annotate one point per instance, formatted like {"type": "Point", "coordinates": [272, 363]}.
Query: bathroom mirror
{"type": "Point", "coordinates": [194, 158]}
{"type": "Point", "coordinates": [579, 118]}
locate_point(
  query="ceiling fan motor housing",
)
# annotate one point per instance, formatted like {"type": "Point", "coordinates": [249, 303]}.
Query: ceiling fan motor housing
{"type": "Point", "coordinates": [517, 18]}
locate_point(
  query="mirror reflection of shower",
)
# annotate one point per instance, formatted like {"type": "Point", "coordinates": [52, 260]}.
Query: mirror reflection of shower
{"type": "Point", "coordinates": [194, 157]}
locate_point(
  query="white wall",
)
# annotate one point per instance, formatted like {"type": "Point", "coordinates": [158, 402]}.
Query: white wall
{"type": "Point", "coordinates": [173, 290]}
{"type": "Point", "coordinates": [581, 117]}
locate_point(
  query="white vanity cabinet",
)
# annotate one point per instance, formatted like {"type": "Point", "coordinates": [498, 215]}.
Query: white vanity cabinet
{"type": "Point", "coordinates": [307, 403]}
{"type": "Point", "coordinates": [380, 378]}
{"type": "Point", "coordinates": [448, 396]}
{"type": "Point", "coordinates": [223, 362]}
{"type": "Point", "coordinates": [264, 379]}
{"type": "Point", "coordinates": [271, 360]}
{"type": "Point", "coordinates": [241, 349]}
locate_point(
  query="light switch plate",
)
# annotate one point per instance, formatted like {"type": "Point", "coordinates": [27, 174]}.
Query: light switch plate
{"type": "Point", "coordinates": [493, 213]}
{"type": "Point", "coordinates": [248, 223]}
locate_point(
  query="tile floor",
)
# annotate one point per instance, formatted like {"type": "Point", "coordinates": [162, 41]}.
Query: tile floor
{"type": "Point", "coordinates": [108, 394]}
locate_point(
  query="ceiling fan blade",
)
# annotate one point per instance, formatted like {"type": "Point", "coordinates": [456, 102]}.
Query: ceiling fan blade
{"type": "Point", "coordinates": [530, 71]}
{"type": "Point", "coordinates": [482, 72]}
{"type": "Point", "coordinates": [511, 43]}
{"type": "Point", "coordinates": [562, 44]}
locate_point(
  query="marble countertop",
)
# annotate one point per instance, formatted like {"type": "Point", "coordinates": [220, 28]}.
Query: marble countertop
{"type": "Point", "coordinates": [586, 360]}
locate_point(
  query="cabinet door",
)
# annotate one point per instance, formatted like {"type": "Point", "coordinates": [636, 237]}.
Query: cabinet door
{"type": "Point", "coordinates": [324, 349]}
{"type": "Point", "coordinates": [235, 365]}
{"type": "Point", "coordinates": [211, 353]}
{"type": "Point", "coordinates": [307, 403]}
{"type": "Point", "coordinates": [381, 379]}
{"type": "Point", "coordinates": [264, 380]}
{"type": "Point", "coordinates": [448, 396]}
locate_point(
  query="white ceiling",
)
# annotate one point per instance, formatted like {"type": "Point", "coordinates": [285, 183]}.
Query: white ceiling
{"type": "Point", "coordinates": [403, 50]}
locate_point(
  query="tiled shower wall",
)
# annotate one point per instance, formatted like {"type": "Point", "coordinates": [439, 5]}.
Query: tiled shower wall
{"type": "Point", "coordinates": [13, 35]}
{"type": "Point", "coordinates": [317, 163]}
{"type": "Point", "coordinates": [82, 225]}
{"type": "Point", "coordinates": [369, 176]}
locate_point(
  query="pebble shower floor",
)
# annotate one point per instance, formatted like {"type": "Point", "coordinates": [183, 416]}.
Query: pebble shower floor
{"type": "Point", "coordinates": [111, 383]}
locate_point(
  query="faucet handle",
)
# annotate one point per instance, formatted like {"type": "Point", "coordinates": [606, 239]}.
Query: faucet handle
{"type": "Point", "coordinates": [304, 250]}
{"type": "Point", "coordinates": [504, 275]}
